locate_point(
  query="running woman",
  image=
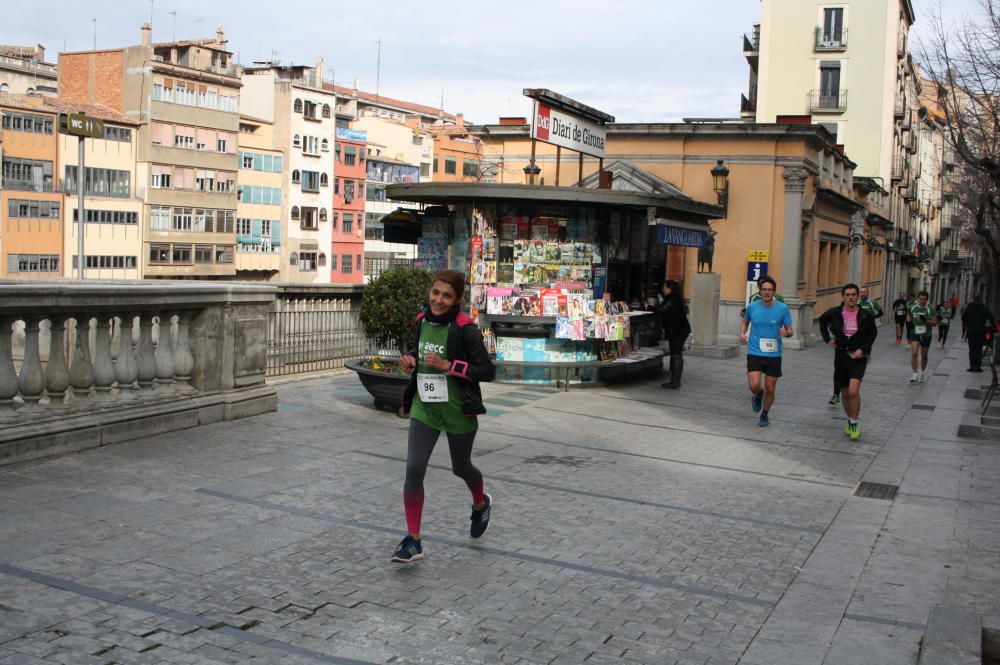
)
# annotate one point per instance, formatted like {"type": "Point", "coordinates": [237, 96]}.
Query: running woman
{"type": "Point", "coordinates": [921, 319]}
{"type": "Point", "coordinates": [899, 309]}
{"type": "Point", "coordinates": [767, 320]}
{"type": "Point", "coordinates": [944, 314]}
{"type": "Point", "coordinates": [851, 331]}
{"type": "Point", "coordinates": [447, 365]}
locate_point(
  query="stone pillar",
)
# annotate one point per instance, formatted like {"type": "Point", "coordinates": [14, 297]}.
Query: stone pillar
{"type": "Point", "coordinates": [795, 187]}
{"type": "Point", "coordinates": [856, 253]}
{"type": "Point", "coordinates": [705, 290]}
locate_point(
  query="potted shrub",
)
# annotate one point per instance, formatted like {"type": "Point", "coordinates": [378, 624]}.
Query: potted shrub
{"type": "Point", "coordinates": [388, 307]}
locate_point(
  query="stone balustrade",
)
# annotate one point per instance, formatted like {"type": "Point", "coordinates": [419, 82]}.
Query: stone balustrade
{"type": "Point", "coordinates": [83, 364]}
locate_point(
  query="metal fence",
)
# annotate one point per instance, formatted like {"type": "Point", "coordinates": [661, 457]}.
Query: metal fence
{"type": "Point", "coordinates": [306, 335]}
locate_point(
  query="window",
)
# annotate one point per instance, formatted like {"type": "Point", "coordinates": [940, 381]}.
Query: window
{"type": "Point", "coordinates": [829, 84]}
{"type": "Point", "coordinates": [296, 141]}
{"type": "Point", "coordinates": [336, 219]}
{"type": "Point", "coordinates": [348, 191]}
{"type": "Point", "coordinates": [159, 219]}
{"type": "Point", "coordinates": [246, 160]}
{"type": "Point", "coordinates": [298, 106]}
{"type": "Point", "coordinates": [357, 262]}
{"type": "Point", "coordinates": [28, 122]}
{"type": "Point", "coordinates": [470, 168]}
{"type": "Point", "coordinates": [202, 253]}
{"type": "Point", "coordinates": [324, 145]}
{"type": "Point", "coordinates": [310, 145]}
{"type": "Point", "coordinates": [123, 134]}
{"type": "Point", "coordinates": [322, 214]}
{"type": "Point", "coordinates": [112, 183]}
{"type": "Point", "coordinates": [435, 165]}
{"type": "Point", "coordinates": [295, 212]}
{"type": "Point", "coordinates": [311, 111]}
{"type": "Point", "coordinates": [110, 216]}
{"type": "Point", "coordinates": [310, 181]}
{"type": "Point", "coordinates": [450, 166]}
{"type": "Point", "coordinates": [324, 180]}
{"type": "Point", "coordinates": [28, 175]}
{"type": "Point", "coordinates": [310, 218]}
{"type": "Point", "coordinates": [336, 185]}
{"type": "Point", "coordinates": [222, 145]}
{"type": "Point", "coordinates": [307, 261]}
{"type": "Point", "coordinates": [223, 253]}
{"type": "Point", "coordinates": [25, 209]}
{"type": "Point", "coordinates": [296, 176]}
{"type": "Point", "coordinates": [425, 170]}
{"type": "Point", "coordinates": [350, 153]}
{"type": "Point", "coordinates": [182, 219]}
{"type": "Point", "coordinates": [322, 259]}
{"type": "Point", "coordinates": [333, 262]}
{"type": "Point", "coordinates": [183, 141]}
{"type": "Point", "coordinates": [17, 263]}
{"type": "Point", "coordinates": [346, 263]}
{"type": "Point", "coordinates": [348, 222]}
{"type": "Point", "coordinates": [159, 254]}
{"type": "Point", "coordinates": [293, 259]}
{"type": "Point", "coordinates": [833, 26]}
{"type": "Point", "coordinates": [181, 254]}
{"type": "Point", "coordinates": [326, 110]}
{"type": "Point", "coordinates": [336, 151]}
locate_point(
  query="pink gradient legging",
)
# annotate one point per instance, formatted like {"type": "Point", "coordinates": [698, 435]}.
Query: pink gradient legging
{"type": "Point", "coordinates": [420, 445]}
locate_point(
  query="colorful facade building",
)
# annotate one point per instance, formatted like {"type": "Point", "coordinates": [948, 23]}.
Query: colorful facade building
{"type": "Point", "coordinates": [31, 199]}
{"type": "Point", "coordinates": [382, 171]}
{"type": "Point", "coordinates": [261, 211]}
{"type": "Point", "coordinates": [458, 155]}
{"type": "Point", "coordinates": [23, 71]}
{"type": "Point", "coordinates": [185, 95]}
{"type": "Point", "coordinates": [348, 247]}
{"type": "Point", "coordinates": [294, 100]}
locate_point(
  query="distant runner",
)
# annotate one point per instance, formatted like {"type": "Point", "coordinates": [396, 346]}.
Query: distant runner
{"type": "Point", "coordinates": [944, 314]}
{"type": "Point", "coordinates": [767, 320]}
{"type": "Point", "coordinates": [921, 319]}
{"type": "Point", "coordinates": [851, 331]}
{"type": "Point", "coordinates": [899, 308]}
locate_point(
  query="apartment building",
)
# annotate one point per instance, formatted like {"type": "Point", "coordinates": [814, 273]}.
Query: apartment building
{"type": "Point", "coordinates": [31, 200]}
{"type": "Point", "coordinates": [23, 71]}
{"type": "Point", "coordinates": [846, 66]}
{"type": "Point", "coordinates": [294, 100]}
{"type": "Point", "coordinates": [260, 211]}
{"type": "Point", "coordinates": [348, 257]}
{"type": "Point", "coordinates": [458, 155]}
{"type": "Point", "coordinates": [380, 253]}
{"type": "Point", "coordinates": [185, 97]}
{"type": "Point", "coordinates": [113, 212]}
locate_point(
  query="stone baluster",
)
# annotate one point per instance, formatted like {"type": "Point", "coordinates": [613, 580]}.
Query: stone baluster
{"type": "Point", "coordinates": [183, 358]}
{"type": "Point", "coordinates": [146, 361]}
{"type": "Point", "coordinates": [8, 375]}
{"type": "Point", "coordinates": [81, 372]}
{"type": "Point", "coordinates": [32, 379]}
{"type": "Point", "coordinates": [104, 367]}
{"type": "Point", "coordinates": [57, 370]}
{"type": "Point", "coordinates": [165, 353]}
{"type": "Point", "coordinates": [126, 369]}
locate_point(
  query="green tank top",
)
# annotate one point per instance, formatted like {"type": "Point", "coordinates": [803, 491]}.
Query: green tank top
{"type": "Point", "coordinates": [445, 416]}
{"type": "Point", "coordinates": [921, 319]}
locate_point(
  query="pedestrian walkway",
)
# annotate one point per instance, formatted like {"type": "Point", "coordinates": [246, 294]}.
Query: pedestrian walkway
{"type": "Point", "coordinates": [631, 524]}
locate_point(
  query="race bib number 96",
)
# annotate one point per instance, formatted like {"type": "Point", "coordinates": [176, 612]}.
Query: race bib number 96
{"type": "Point", "coordinates": [432, 387]}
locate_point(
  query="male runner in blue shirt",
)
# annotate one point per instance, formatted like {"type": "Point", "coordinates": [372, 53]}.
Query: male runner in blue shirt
{"type": "Point", "coordinates": [767, 320]}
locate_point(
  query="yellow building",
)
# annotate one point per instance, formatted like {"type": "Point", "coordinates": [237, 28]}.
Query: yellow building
{"type": "Point", "coordinates": [791, 197]}
{"type": "Point", "coordinates": [261, 206]}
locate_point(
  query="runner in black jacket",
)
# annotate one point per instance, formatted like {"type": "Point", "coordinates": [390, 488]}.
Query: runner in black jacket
{"type": "Point", "coordinates": [851, 331]}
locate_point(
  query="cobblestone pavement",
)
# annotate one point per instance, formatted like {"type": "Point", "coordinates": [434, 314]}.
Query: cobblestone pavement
{"type": "Point", "coordinates": [632, 524]}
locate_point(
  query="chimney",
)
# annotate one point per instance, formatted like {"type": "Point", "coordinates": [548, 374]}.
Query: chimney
{"type": "Point", "coordinates": [39, 53]}
{"type": "Point", "coordinates": [355, 87]}
{"type": "Point", "coordinates": [459, 119]}
{"type": "Point", "coordinates": [319, 72]}
{"type": "Point", "coordinates": [220, 36]}
{"type": "Point", "coordinates": [146, 32]}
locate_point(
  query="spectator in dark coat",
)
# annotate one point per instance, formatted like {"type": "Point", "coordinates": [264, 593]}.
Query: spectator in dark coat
{"type": "Point", "coordinates": [673, 315]}
{"type": "Point", "coordinates": [977, 319]}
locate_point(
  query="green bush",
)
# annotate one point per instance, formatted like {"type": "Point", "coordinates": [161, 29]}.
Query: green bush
{"type": "Point", "coordinates": [391, 302]}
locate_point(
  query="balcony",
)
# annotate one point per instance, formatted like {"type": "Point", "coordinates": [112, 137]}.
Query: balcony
{"type": "Point", "coordinates": [950, 256]}
{"type": "Point", "coordinates": [827, 41]}
{"type": "Point", "coordinates": [751, 46]}
{"type": "Point", "coordinates": [899, 107]}
{"type": "Point", "coordinates": [748, 107]}
{"type": "Point", "coordinates": [899, 167]}
{"type": "Point", "coordinates": [901, 43]}
{"type": "Point", "coordinates": [827, 101]}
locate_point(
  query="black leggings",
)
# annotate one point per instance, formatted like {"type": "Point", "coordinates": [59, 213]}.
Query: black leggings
{"type": "Point", "coordinates": [943, 334]}
{"type": "Point", "coordinates": [420, 445]}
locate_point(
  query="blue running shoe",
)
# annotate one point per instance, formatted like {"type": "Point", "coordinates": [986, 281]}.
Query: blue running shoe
{"type": "Point", "coordinates": [757, 402]}
{"type": "Point", "coordinates": [763, 422]}
{"type": "Point", "coordinates": [481, 518]}
{"type": "Point", "coordinates": [409, 550]}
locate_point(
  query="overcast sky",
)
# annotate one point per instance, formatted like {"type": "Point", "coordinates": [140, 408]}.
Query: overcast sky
{"type": "Point", "coordinates": [639, 60]}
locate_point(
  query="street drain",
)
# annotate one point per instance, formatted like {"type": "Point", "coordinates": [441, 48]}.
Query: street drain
{"type": "Point", "coordinates": [867, 490]}
{"type": "Point", "coordinates": [923, 407]}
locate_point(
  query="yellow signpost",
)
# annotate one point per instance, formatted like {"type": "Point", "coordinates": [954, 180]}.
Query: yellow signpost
{"type": "Point", "coordinates": [757, 255]}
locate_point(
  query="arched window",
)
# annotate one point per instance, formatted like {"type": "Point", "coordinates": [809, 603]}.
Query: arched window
{"type": "Point", "coordinates": [326, 110]}
{"type": "Point", "coordinates": [296, 140]}
{"type": "Point", "coordinates": [4, 87]}
{"type": "Point", "coordinates": [298, 106]}
{"type": "Point", "coordinates": [322, 259]}
{"type": "Point", "coordinates": [324, 145]}
{"type": "Point", "coordinates": [296, 176]}
{"type": "Point", "coordinates": [324, 180]}
{"type": "Point", "coordinates": [295, 212]}
{"type": "Point", "coordinates": [322, 214]}
{"type": "Point", "coordinates": [293, 260]}
{"type": "Point", "coordinates": [31, 91]}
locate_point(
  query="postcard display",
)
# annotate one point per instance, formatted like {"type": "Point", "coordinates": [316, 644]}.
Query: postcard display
{"type": "Point", "coordinates": [539, 267]}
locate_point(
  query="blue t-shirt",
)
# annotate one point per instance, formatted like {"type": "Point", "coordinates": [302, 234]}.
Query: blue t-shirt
{"type": "Point", "coordinates": [765, 324]}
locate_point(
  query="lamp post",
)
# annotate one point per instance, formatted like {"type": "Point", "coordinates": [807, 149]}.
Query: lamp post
{"type": "Point", "coordinates": [720, 183]}
{"type": "Point", "coordinates": [530, 172]}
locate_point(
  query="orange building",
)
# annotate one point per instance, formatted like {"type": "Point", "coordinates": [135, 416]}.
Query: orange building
{"type": "Point", "coordinates": [31, 243]}
{"type": "Point", "coordinates": [348, 246]}
{"type": "Point", "coordinates": [458, 155]}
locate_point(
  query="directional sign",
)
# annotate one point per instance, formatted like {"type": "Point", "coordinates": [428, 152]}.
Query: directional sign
{"type": "Point", "coordinates": [78, 124]}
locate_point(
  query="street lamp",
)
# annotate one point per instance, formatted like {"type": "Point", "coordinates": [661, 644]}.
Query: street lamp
{"type": "Point", "coordinates": [530, 172]}
{"type": "Point", "coordinates": [720, 183]}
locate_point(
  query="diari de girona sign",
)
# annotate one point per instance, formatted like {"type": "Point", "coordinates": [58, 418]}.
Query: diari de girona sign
{"type": "Point", "coordinates": [567, 131]}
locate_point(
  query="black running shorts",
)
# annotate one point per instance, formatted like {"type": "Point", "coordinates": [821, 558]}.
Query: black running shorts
{"type": "Point", "coordinates": [766, 364]}
{"type": "Point", "coordinates": [846, 368]}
